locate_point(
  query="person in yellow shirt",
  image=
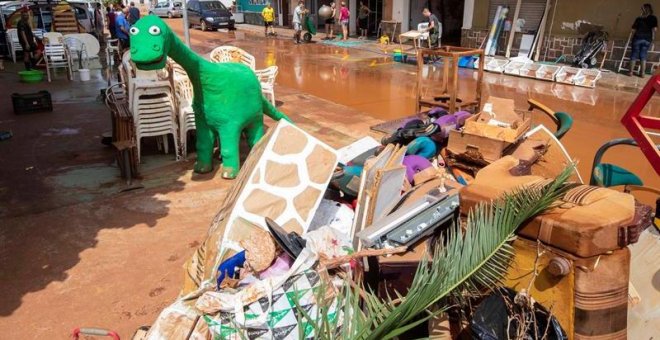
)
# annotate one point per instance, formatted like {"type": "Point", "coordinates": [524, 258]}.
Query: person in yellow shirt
{"type": "Point", "coordinates": [269, 16]}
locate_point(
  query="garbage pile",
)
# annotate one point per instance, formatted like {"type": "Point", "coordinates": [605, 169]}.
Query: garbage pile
{"type": "Point", "coordinates": [286, 255]}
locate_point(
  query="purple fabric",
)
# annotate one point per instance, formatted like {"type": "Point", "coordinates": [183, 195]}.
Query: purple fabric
{"type": "Point", "coordinates": [411, 122]}
{"type": "Point", "coordinates": [415, 164]}
{"type": "Point", "coordinates": [461, 116]}
{"type": "Point", "coordinates": [437, 112]}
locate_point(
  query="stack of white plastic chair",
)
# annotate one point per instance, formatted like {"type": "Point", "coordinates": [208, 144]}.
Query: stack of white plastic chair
{"type": "Point", "coordinates": [77, 51]}
{"type": "Point", "coordinates": [226, 54]}
{"type": "Point", "coordinates": [13, 43]}
{"type": "Point", "coordinates": [267, 79]}
{"type": "Point", "coordinates": [56, 55]}
{"type": "Point", "coordinates": [151, 102]}
{"type": "Point", "coordinates": [38, 33]}
{"type": "Point", "coordinates": [184, 95]}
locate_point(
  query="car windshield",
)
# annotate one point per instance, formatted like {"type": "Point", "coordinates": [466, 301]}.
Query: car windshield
{"type": "Point", "coordinates": [212, 5]}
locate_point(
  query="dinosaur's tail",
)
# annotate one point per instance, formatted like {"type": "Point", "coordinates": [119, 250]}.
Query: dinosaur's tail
{"type": "Point", "coordinates": [271, 111]}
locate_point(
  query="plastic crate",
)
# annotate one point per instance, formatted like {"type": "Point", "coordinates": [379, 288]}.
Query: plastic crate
{"type": "Point", "coordinates": [588, 78]}
{"type": "Point", "coordinates": [547, 72]}
{"type": "Point", "coordinates": [529, 70]}
{"type": "Point", "coordinates": [32, 102]}
{"type": "Point", "coordinates": [513, 68]}
{"type": "Point", "coordinates": [567, 74]}
{"type": "Point", "coordinates": [495, 65]}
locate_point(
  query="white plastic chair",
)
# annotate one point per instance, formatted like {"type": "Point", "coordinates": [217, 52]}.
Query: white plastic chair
{"type": "Point", "coordinates": [13, 43]}
{"type": "Point", "coordinates": [77, 51]}
{"type": "Point", "coordinates": [53, 36]}
{"type": "Point", "coordinates": [267, 79]}
{"type": "Point", "coordinates": [422, 27]}
{"type": "Point", "coordinates": [56, 56]}
{"type": "Point", "coordinates": [227, 54]}
{"type": "Point", "coordinates": [154, 116]}
{"type": "Point", "coordinates": [184, 96]}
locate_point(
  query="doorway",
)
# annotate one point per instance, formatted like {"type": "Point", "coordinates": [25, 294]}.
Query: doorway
{"type": "Point", "coordinates": [450, 14]}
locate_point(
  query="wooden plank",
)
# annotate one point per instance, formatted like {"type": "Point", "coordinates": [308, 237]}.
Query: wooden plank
{"type": "Point", "coordinates": [541, 32]}
{"type": "Point", "coordinates": [512, 32]}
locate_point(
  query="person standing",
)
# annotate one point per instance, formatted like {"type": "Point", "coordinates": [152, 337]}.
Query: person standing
{"type": "Point", "coordinates": [433, 29]}
{"type": "Point", "coordinates": [98, 21]}
{"type": "Point", "coordinates": [112, 17]}
{"type": "Point", "coordinates": [330, 22]}
{"type": "Point", "coordinates": [643, 36]}
{"type": "Point", "coordinates": [133, 14]}
{"type": "Point", "coordinates": [26, 39]}
{"type": "Point", "coordinates": [269, 16]}
{"type": "Point", "coordinates": [363, 20]}
{"type": "Point", "coordinates": [344, 16]}
{"type": "Point", "coordinates": [298, 15]}
{"type": "Point", "coordinates": [122, 28]}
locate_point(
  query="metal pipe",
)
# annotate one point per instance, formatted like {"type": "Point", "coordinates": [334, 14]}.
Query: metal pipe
{"type": "Point", "coordinates": [186, 27]}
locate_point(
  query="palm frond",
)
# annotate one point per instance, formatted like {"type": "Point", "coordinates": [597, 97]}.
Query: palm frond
{"type": "Point", "coordinates": [470, 262]}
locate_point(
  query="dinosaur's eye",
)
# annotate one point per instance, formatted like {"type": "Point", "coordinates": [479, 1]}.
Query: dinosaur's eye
{"type": "Point", "coordinates": [134, 30]}
{"type": "Point", "coordinates": [154, 30]}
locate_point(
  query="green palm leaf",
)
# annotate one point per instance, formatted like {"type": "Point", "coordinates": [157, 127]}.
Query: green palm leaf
{"type": "Point", "coordinates": [471, 262]}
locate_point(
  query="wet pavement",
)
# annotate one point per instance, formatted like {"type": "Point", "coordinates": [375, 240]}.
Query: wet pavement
{"type": "Point", "coordinates": [77, 250]}
{"type": "Point", "coordinates": [374, 84]}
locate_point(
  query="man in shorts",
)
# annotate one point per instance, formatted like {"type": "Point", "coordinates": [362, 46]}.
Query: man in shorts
{"type": "Point", "coordinates": [26, 39]}
{"type": "Point", "coordinates": [330, 22]}
{"type": "Point", "coordinates": [298, 15]}
{"type": "Point", "coordinates": [269, 16]}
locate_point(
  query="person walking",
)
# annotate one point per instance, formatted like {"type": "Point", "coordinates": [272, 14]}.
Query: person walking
{"type": "Point", "coordinates": [122, 28]}
{"type": "Point", "coordinates": [433, 29]}
{"type": "Point", "coordinates": [344, 15]}
{"type": "Point", "coordinates": [26, 39]}
{"type": "Point", "coordinates": [363, 20]}
{"type": "Point", "coordinates": [269, 16]}
{"type": "Point", "coordinates": [331, 22]}
{"type": "Point", "coordinates": [298, 16]}
{"type": "Point", "coordinates": [643, 36]}
{"type": "Point", "coordinates": [133, 14]}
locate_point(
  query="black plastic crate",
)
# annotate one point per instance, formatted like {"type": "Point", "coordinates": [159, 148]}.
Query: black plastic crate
{"type": "Point", "coordinates": [32, 102]}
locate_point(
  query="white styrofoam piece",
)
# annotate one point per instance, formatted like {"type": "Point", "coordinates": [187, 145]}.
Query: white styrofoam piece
{"type": "Point", "coordinates": [360, 146]}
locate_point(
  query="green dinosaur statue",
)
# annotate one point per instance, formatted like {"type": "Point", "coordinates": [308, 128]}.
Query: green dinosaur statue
{"type": "Point", "coordinates": [227, 98]}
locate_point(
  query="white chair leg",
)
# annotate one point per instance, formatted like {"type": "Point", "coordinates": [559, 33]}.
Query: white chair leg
{"type": "Point", "coordinates": [48, 70]}
{"type": "Point", "coordinates": [183, 135]}
{"type": "Point", "coordinates": [166, 143]}
{"type": "Point", "coordinates": [175, 138]}
{"type": "Point", "coordinates": [272, 98]}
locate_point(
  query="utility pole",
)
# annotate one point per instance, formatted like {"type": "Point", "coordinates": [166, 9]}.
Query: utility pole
{"type": "Point", "coordinates": [186, 32]}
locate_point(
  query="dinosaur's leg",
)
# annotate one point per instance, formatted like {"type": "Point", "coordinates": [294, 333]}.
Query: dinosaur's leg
{"type": "Point", "coordinates": [229, 149]}
{"type": "Point", "coordinates": [205, 142]}
{"type": "Point", "coordinates": [255, 131]}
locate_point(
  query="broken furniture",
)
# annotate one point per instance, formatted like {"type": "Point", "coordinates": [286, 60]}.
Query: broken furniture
{"type": "Point", "coordinates": [447, 97]}
{"type": "Point", "coordinates": [563, 120]}
{"type": "Point", "coordinates": [610, 175]}
{"type": "Point", "coordinates": [123, 130]}
{"type": "Point", "coordinates": [32, 102]}
{"type": "Point", "coordinates": [486, 136]}
{"type": "Point", "coordinates": [573, 258]}
{"type": "Point", "coordinates": [267, 80]}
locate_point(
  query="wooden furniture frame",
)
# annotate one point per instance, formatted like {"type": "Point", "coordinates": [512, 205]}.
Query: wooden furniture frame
{"type": "Point", "coordinates": [449, 98]}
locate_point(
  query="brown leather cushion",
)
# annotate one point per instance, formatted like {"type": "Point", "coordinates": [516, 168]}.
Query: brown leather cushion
{"type": "Point", "coordinates": [588, 221]}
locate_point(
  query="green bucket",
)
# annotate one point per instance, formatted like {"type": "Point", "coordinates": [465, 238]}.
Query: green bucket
{"type": "Point", "coordinates": [31, 76]}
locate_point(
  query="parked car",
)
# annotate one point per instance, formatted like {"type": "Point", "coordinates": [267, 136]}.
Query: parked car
{"type": "Point", "coordinates": [208, 14]}
{"type": "Point", "coordinates": [170, 9]}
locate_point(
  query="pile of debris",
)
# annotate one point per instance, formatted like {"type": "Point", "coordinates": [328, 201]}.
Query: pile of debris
{"type": "Point", "coordinates": [291, 251]}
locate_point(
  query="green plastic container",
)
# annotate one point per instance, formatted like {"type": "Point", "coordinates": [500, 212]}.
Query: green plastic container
{"type": "Point", "coordinates": [31, 76]}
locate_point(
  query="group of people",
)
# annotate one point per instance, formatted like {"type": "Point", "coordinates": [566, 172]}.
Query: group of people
{"type": "Point", "coordinates": [120, 20]}
{"type": "Point", "coordinates": [344, 16]}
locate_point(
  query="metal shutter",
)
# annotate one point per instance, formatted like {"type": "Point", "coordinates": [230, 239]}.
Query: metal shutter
{"type": "Point", "coordinates": [530, 10]}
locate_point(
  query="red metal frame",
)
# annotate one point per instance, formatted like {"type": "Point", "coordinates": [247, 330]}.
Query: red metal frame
{"type": "Point", "coordinates": [635, 122]}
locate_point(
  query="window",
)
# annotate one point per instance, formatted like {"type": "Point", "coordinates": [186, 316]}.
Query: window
{"type": "Point", "coordinates": [530, 10]}
{"type": "Point", "coordinates": [212, 5]}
